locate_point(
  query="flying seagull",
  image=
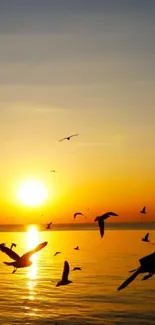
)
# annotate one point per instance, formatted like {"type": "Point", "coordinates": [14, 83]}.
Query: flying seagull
{"type": "Point", "coordinates": [146, 238]}
{"type": "Point", "coordinates": [48, 226]}
{"type": "Point", "coordinates": [77, 269]}
{"type": "Point", "coordinates": [100, 220]}
{"type": "Point", "coordinates": [68, 138]}
{"type": "Point", "coordinates": [65, 274]}
{"type": "Point", "coordinates": [78, 213]}
{"type": "Point", "coordinates": [53, 171]}
{"type": "Point", "coordinates": [76, 248]}
{"type": "Point", "coordinates": [147, 264]}
{"type": "Point", "coordinates": [13, 245]}
{"type": "Point", "coordinates": [20, 261]}
{"type": "Point", "coordinates": [57, 253]}
{"type": "Point", "coordinates": [143, 210]}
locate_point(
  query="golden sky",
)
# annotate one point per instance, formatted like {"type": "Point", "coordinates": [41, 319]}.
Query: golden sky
{"type": "Point", "coordinates": [87, 68]}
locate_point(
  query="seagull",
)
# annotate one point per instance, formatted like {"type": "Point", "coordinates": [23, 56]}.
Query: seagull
{"type": "Point", "coordinates": [147, 264]}
{"type": "Point", "coordinates": [78, 213]}
{"type": "Point", "coordinates": [21, 261]}
{"type": "Point", "coordinates": [101, 219]}
{"type": "Point", "coordinates": [49, 225]}
{"type": "Point", "coordinates": [65, 274]}
{"type": "Point", "coordinates": [76, 248]}
{"type": "Point", "coordinates": [57, 253]}
{"type": "Point", "coordinates": [53, 171]}
{"type": "Point", "coordinates": [143, 210]}
{"type": "Point", "coordinates": [13, 245]}
{"type": "Point", "coordinates": [68, 138]}
{"type": "Point", "coordinates": [146, 238]}
{"type": "Point", "coordinates": [77, 268]}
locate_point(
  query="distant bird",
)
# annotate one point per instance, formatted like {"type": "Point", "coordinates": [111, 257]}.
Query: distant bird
{"type": "Point", "coordinates": [145, 238]}
{"type": "Point", "coordinates": [20, 261]}
{"type": "Point", "coordinates": [53, 171]}
{"type": "Point", "coordinates": [64, 280]}
{"type": "Point", "coordinates": [147, 264]}
{"type": "Point", "coordinates": [49, 225]}
{"type": "Point", "coordinates": [100, 220]}
{"type": "Point", "coordinates": [77, 268]}
{"type": "Point", "coordinates": [13, 245]}
{"type": "Point", "coordinates": [76, 248]}
{"type": "Point", "coordinates": [57, 253]}
{"type": "Point", "coordinates": [68, 138]}
{"type": "Point", "coordinates": [143, 210]}
{"type": "Point", "coordinates": [78, 213]}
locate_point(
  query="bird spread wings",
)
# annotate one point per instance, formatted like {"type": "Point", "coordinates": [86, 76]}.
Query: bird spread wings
{"type": "Point", "coordinates": [10, 253]}
{"type": "Point", "coordinates": [65, 272]}
{"type": "Point", "coordinates": [106, 215]}
{"type": "Point", "coordinates": [33, 251]}
{"type": "Point", "coordinates": [67, 138]}
{"type": "Point", "coordinates": [77, 213]}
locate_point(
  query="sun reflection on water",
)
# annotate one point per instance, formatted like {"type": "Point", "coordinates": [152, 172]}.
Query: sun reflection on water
{"type": "Point", "coordinates": [32, 238]}
{"type": "Point", "coordinates": [32, 241]}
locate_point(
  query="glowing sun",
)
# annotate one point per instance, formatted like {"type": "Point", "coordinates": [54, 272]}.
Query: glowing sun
{"type": "Point", "coordinates": [32, 193]}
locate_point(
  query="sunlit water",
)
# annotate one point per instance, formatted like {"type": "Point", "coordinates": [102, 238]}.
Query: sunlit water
{"type": "Point", "coordinates": [30, 296]}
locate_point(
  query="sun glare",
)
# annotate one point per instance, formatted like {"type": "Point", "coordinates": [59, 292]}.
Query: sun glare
{"type": "Point", "coordinates": [32, 193]}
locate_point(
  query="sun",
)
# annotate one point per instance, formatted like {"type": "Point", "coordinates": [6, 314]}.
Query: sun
{"type": "Point", "coordinates": [32, 193]}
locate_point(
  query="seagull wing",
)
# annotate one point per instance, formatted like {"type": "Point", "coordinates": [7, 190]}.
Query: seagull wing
{"type": "Point", "coordinates": [101, 226]}
{"type": "Point", "coordinates": [65, 272]}
{"type": "Point", "coordinates": [96, 219]}
{"type": "Point", "coordinates": [77, 213]}
{"type": "Point", "coordinates": [130, 279]}
{"type": "Point", "coordinates": [143, 210]}
{"type": "Point", "coordinates": [33, 251]}
{"type": "Point", "coordinates": [147, 236]}
{"type": "Point", "coordinates": [73, 135]}
{"type": "Point", "coordinates": [108, 214]}
{"type": "Point", "coordinates": [10, 253]}
{"type": "Point", "coordinates": [63, 139]}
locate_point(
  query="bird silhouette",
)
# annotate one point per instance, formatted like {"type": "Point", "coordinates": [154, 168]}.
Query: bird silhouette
{"type": "Point", "coordinates": [100, 220]}
{"type": "Point", "coordinates": [78, 213]}
{"type": "Point", "coordinates": [20, 261]}
{"type": "Point", "coordinates": [65, 274]}
{"type": "Point", "coordinates": [68, 138]}
{"type": "Point", "coordinates": [53, 171]}
{"type": "Point", "coordinates": [143, 210]}
{"type": "Point", "coordinates": [57, 253]}
{"type": "Point", "coordinates": [49, 225]}
{"type": "Point", "coordinates": [147, 265]}
{"type": "Point", "coordinates": [145, 238]}
{"type": "Point", "coordinates": [76, 248]}
{"type": "Point", "coordinates": [2, 245]}
{"type": "Point", "coordinates": [13, 245]}
{"type": "Point", "coordinates": [77, 269]}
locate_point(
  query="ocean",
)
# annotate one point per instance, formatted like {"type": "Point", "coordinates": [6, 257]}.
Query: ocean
{"type": "Point", "coordinates": [30, 296]}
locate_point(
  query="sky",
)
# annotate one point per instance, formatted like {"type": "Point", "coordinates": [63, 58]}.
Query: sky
{"type": "Point", "coordinates": [85, 67]}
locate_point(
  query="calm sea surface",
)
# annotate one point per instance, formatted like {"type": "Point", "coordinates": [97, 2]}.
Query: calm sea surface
{"type": "Point", "coordinates": [30, 296]}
